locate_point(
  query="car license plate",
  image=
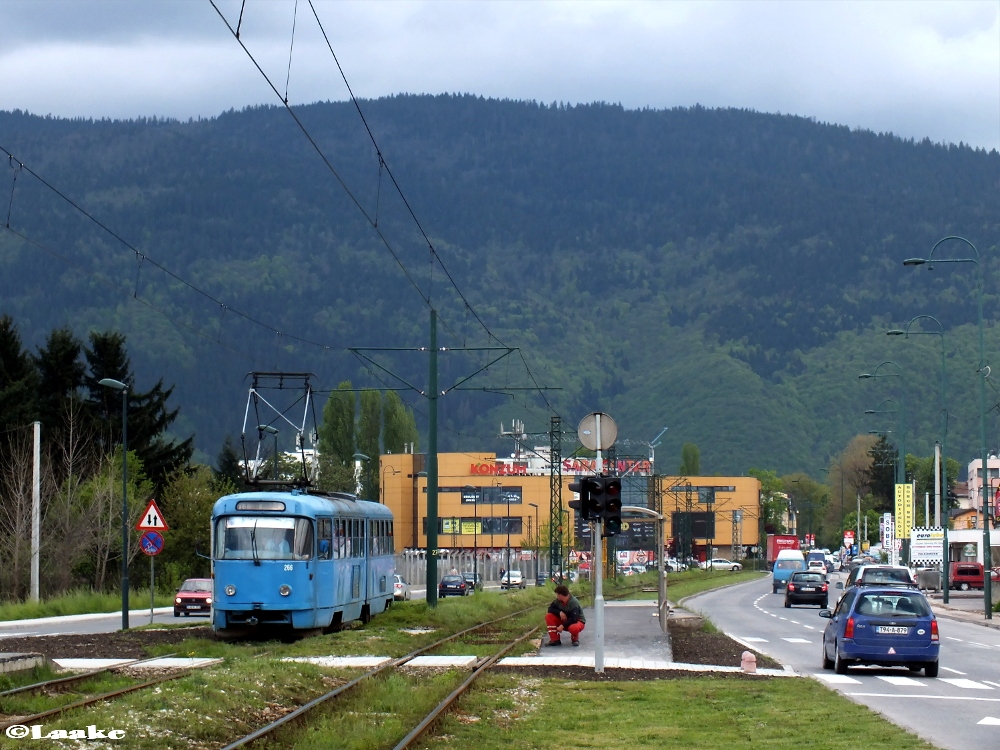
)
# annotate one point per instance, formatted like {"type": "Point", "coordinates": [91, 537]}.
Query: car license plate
{"type": "Point", "coordinates": [889, 630]}
{"type": "Point", "coordinates": [808, 588]}
{"type": "Point", "coordinates": [194, 606]}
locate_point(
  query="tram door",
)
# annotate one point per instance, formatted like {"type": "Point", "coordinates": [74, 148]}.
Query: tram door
{"type": "Point", "coordinates": [325, 593]}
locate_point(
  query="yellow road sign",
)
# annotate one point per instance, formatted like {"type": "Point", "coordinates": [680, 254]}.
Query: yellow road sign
{"type": "Point", "coordinates": [904, 510]}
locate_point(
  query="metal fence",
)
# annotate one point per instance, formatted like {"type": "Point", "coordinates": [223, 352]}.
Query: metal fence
{"type": "Point", "coordinates": [412, 564]}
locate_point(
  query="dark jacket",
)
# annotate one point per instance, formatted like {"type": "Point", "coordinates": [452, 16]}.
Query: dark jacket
{"type": "Point", "coordinates": [572, 608]}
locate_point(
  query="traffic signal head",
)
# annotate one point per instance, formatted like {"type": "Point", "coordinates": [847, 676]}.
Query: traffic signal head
{"type": "Point", "coordinates": [587, 487]}
{"type": "Point", "coordinates": [612, 506]}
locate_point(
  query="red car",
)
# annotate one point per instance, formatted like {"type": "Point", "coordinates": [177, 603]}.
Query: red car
{"type": "Point", "coordinates": [194, 597]}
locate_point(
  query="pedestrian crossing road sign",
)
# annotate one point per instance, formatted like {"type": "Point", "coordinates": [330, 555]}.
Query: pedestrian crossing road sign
{"type": "Point", "coordinates": [152, 519]}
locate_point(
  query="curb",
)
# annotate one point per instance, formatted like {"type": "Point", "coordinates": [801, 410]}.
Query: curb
{"type": "Point", "coordinates": [680, 602]}
{"type": "Point", "coordinates": [80, 618]}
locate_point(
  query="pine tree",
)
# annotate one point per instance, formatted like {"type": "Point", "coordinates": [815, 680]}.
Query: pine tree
{"type": "Point", "coordinates": [690, 461]}
{"type": "Point", "coordinates": [369, 428]}
{"type": "Point", "coordinates": [148, 416]}
{"type": "Point", "coordinates": [399, 427]}
{"type": "Point", "coordinates": [336, 433]}
{"type": "Point", "coordinates": [18, 379]}
{"type": "Point", "coordinates": [228, 466]}
{"type": "Point", "coordinates": [61, 373]}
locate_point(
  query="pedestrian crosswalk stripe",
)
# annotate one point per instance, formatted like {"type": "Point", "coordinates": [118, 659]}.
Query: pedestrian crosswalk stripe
{"type": "Point", "coordinates": [903, 681]}
{"type": "Point", "coordinates": [962, 683]}
{"type": "Point", "coordinates": [953, 671]}
{"type": "Point", "coordinates": [837, 679]}
{"type": "Point", "coordinates": [990, 722]}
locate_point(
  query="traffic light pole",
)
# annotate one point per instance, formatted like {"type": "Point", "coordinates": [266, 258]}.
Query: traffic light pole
{"type": "Point", "coordinates": [599, 570]}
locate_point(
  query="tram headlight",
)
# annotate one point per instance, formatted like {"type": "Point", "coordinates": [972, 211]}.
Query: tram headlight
{"type": "Point", "coordinates": [285, 589]}
{"type": "Point", "coordinates": [230, 590]}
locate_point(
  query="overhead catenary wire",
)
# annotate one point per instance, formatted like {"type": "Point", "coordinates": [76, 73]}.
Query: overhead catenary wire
{"type": "Point", "coordinates": [373, 222]}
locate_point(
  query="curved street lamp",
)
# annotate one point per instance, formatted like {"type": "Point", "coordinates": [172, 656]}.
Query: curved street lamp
{"type": "Point", "coordinates": [120, 386]}
{"type": "Point", "coordinates": [943, 487]}
{"type": "Point", "coordinates": [983, 372]}
{"type": "Point", "coordinates": [901, 465]}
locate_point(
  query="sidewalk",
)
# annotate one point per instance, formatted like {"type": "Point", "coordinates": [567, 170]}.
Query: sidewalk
{"type": "Point", "coordinates": [631, 631]}
{"type": "Point", "coordinates": [964, 608]}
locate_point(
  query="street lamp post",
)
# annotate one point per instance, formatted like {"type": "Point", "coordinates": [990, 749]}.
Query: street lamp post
{"type": "Point", "coordinates": [901, 463]}
{"type": "Point", "coordinates": [381, 485]}
{"type": "Point", "coordinates": [119, 386]}
{"type": "Point", "coordinates": [533, 505]}
{"type": "Point", "coordinates": [943, 487]}
{"type": "Point", "coordinates": [983, 371]}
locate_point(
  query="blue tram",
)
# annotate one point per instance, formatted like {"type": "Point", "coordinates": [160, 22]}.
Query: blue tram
{"type": "Point", "coordinates": [299, 561]}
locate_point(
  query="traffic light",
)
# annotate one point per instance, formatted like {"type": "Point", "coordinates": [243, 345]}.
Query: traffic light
{"type": "Point", "coordinates": [612, 505]}
{"type": "Point", "coordinates": [587, 487]}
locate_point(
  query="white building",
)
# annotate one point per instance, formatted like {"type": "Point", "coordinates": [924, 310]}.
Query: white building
{"type": "Point", "coordinates": [976, 481]}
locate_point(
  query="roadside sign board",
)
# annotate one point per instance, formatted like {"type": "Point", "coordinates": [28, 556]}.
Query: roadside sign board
{"type": "Point", "coordinates": [151, 543]}
{"type": "Point", "coordinates": [152, 519]}
{"type": "Point", "coordinates": [927, 545]}
{"type": "Point", "coordinates": [904, 510]}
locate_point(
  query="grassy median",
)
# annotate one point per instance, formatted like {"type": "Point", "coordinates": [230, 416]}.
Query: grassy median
{"type": "Point", "coordinates": [512, 711]}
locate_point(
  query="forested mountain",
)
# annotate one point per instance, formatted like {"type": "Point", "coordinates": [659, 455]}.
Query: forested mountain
{"type": "Point", "coordinates": [725, 273]}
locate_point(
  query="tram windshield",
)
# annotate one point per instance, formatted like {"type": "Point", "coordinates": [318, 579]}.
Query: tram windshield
{"type": "Point", "coordinates": [263, 538]}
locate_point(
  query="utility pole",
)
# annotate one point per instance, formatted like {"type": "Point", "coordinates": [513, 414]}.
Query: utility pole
{"type": "Point", "coordinates": [36, 514]}
{"type": "Point", "coordinates": [432, 468]}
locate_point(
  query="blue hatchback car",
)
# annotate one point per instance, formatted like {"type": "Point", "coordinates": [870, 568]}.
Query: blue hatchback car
{"type": "Point", "coordinates": [885, 626]}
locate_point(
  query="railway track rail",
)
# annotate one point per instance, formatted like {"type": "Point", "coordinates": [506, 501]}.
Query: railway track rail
{"type": "Point", "coordinates": [61, 682]}
{"type": "Point", "coordinates": [35, 718]}
{"type": "Point", "coordinates": [428, 721]}
{"type": "Point", "coordinates": [298, 713]}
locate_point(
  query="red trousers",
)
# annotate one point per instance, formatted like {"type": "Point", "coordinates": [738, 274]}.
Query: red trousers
{"type": "Point", "coordinates": [554, 622]}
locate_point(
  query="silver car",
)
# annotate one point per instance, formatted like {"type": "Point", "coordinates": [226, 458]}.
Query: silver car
{"type": "Point", "coordinates": [512, 579]}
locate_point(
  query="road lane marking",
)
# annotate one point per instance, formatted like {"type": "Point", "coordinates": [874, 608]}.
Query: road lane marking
{"type": "Point", "coordinates": [775, 616]}
{"type": "Point", "coordinates": [914, 696]}
{"type": "Point", "coordinates": [994, 684]}
{"type": "Point", "coordinates": [953, 671]}
{"type": "Point", "coordinates": [794, 622]}
{"type": "Point", "coordinates": [796, 640]}
{"type": "Point", "coordinates": [810, 626]}
{"type": "Point", "coordinates": [976, 643]}
{"type": "Point", "coordinates": [837, 679]}
{"type": "Point", "coordinates": [785, 618]}
{"type": "Point", "coordinates": [990, 722]}
{"type": "Point", "coordinates": [967, 684]}
{"type": "Point", "coordinates": [748, 639]}
{"type": "Point", "coordinates": [953, 639]}
{"type": "Point", "coordinates": [902, 681]}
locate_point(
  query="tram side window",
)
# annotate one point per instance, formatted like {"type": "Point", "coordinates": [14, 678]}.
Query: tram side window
{"type": "Point", "coordinates": [391, 545]}
{"type": "Point", "coordinates": [324, 528]}
{"type": "Point", "coordinates": [342, 545]}
{"type": "Point", "coordinates": [357, 550]}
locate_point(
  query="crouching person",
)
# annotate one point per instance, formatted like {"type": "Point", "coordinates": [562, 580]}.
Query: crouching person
{"type": "Point", "coordinates": [565, 614]}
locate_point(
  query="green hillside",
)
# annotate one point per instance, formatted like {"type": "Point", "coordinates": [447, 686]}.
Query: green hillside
{"type": "Point", "coordinates": [725, 273]}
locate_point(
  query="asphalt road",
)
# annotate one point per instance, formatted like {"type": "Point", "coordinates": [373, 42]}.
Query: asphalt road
{"type": "Point", "coordinates": [960, 709]}
{"type": "Point", "coordinates": [81, 625]}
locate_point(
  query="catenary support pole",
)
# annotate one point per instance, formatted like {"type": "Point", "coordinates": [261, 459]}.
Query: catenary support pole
{"type": "Point", "coordinates": [36, 505]}
{"type": "Point", "coordinates": [598, 566]}
{"type": "Point", "coordinates": [432, 469]}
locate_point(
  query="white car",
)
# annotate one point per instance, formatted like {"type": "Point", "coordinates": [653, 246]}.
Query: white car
{"type": "Point", "coordinates": [721, 564]}
{"type": "Point", "coordinates": [512, 579]}
{"type": "Point", "coordinates": [672, 565]}
{"type": "Point", "coordinates": [817, 566]}
{"type": "Point", "coordinates": [400, 589]}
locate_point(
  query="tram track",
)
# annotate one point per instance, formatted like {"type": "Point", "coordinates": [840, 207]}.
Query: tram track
{"type": "Point", "coordinates": [488, 634]}
{"type": "Point", "coordinates": [35, 718]}
{"type": "Point", "coordinates": [61, 682]}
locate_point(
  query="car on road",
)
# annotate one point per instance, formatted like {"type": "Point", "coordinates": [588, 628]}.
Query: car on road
{"type": "Point", "coordinates": [453, 585]}
{"type": "Point", "coordinates": [720, 563]}
{"type": "Point", "coordinates": [639, 569]}
{"type": "Point", "coordinates": [880, 575]}
{"type": "Point", "coordinates": [807, 587]}
{"type": "Point", "coordinates": [817, 566]}
{"type": "Point", "coordinates": [883, 626]}
{"type": "Point", "coordinates": [400, 589]}
{"type": "Point", "coordinates": [789, 560]}
{"type": "Point", "coordinates": [672, 565]}
{"type": "Point", "coordinates": [474, 580]}
{"type": "Point", "coordinates": [194, 597]}
{"type": "Point", "coordinates": [512, 579]}
{"type": "Point", "coordinates": [967, 575]}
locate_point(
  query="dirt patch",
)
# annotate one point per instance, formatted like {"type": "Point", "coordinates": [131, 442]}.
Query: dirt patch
{"type": "Point", "coordinates": [623, 675]}
{"type": "Point", "coordinates": [702, 647]}
{"type": "Point", "coordinates": [132, 644]}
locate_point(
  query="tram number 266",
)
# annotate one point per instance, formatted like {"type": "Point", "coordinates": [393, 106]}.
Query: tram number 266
{"type": "Point", "coordinates": [289, 567]}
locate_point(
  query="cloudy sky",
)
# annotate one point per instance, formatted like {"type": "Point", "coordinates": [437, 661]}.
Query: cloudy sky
{"type": "Point", "coordinates": [918, 69]}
